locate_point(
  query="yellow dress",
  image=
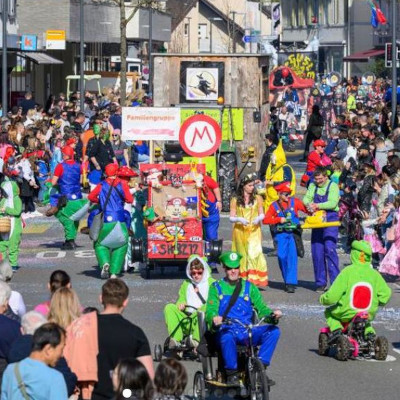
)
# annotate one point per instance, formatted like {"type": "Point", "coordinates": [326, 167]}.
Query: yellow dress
{"type": "Point", "coordinates": [246, 240]}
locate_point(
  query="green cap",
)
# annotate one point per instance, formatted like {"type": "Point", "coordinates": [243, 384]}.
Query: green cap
{"type": "Point", "coordinates": [230, 259]}
{"type": "Point", "coordinates": [362, 245]}
{"type": "Point", "coordinates": [149, 214]}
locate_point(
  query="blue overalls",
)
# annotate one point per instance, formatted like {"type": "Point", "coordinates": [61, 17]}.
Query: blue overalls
{"type": "Point", "coordinates": [114, 211]}
{"type": "Point", "coordinates": [211, 225]}
{"type": "Point", "coordinates": [228, 336]}
{"type": "Point", "coordinates": [287, 252]}
{"type": "Point", "coordinates": [323, 245]}
{"type": "Point", "coordinates": [69, 183]}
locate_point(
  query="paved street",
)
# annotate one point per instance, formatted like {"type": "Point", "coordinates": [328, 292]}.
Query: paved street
{"type": "Point", "coordinates": [300, 373]}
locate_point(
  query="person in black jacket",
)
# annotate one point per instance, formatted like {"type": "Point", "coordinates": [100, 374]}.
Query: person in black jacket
{"type": "Point", "coordinates": [266, 158]}
{"type": "Point", "coordinates": [314, 129]}
{"type": "Point", "coordinates": [22, 346]}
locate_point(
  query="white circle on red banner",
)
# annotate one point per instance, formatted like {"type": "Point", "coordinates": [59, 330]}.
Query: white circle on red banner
{"type": "Point", "coordinates": [200, 136]}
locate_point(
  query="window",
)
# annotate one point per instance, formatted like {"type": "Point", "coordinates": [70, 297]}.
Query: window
{"type": "Point", "coordinates": [186, 29]}
{"type": "Point", "coordinates": [202, 31]}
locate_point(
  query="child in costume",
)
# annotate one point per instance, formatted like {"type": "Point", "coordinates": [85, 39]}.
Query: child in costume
{"type": "Point", "coordinates": [283, 213]}
{"type": "Point", "coordinates": [11, 206]}
{"type": "Point", "coordinates": [112, 242]}
{"type": "Point", "coordinates": [357, 288]}
{"type": "Point", "coordinates": [192, 297]}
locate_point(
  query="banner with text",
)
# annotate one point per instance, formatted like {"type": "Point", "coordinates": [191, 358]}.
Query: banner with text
{"type": "Point", "coordinates": [148, 123]}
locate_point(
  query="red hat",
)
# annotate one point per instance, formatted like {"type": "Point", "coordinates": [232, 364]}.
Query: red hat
{"type": "Point", "coordinates": [111, 169]}
{"type": "Point", "coordinates": [283, 187]}
{"type": "Point", "coordinates": [68, 151]}
{"type": "Point", "coordinates": [319, 142]}
{"type": "Point", "coordinates": [70, 141]}
{"type": "Point", "coordinates": [176, 201]}
{"type": "Point", "coordinates": [126, 172]}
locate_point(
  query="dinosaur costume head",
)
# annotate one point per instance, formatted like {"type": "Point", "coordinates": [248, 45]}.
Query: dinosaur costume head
{"type": "Point", "coordinates": [361, 253]}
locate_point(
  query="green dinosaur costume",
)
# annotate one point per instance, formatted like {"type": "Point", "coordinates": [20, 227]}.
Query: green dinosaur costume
{"type": "Point", "coordinates": [9, 242]}
{"type": "Point", "coordinates": [188, 296]}
{"type": "Point", "coordinates": [70, 215]}
{"type": "Point", "coordinates": [357, 288]}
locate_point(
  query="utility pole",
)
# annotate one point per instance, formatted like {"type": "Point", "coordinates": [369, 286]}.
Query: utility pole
{"type": "Point", "coordinates": [82, 56]}
{"type": "Point", "coordinates": [4, 60]}
{"type": "Point", "coordinates": [150, 50]}
{"type": "Point", "coordinates": [394, 63]}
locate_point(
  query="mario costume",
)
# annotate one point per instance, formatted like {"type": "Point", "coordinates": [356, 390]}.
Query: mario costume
{"type": "Point", "coordinates": [316, 159]}
{"type": "Point", "coordinates": [194, 296]}
{"type": "Point", "coordinates": [112, 242]}
{"type": "Point", "coordinates": [283, 213]}
{"type": "Point", "coordinates": [11, 206]}
{"type": "Point", "coordinates": [67, 205]}
{"type": "Point", "coordinates": [357, 288]}
{"type": "Point", "coordinates": [228, 336]}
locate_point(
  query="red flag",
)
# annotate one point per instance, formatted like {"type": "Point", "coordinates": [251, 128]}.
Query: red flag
{"type": "Point", "coordinates": [380, 15]}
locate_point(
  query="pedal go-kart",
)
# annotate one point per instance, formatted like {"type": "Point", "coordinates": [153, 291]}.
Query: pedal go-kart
{"type": "Point", "coordinates": [254, 382]}
{"type": "Point", "coordinates": [352, 343]}
{"type": "Point", "coordinates": [185, 349]}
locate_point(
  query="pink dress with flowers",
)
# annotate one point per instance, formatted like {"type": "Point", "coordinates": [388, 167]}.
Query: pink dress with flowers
{"type": "Point", "coordinates": [391, 263]}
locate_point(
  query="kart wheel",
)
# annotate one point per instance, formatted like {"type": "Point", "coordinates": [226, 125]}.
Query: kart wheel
{"type": "Point", "coordinates": [381, 348]}
{"type": "Point", "coordinates": [259, 389]}
{"type": "Point", "coordinates": [137, 250]}
{"type": "Point", "coordinates": [199, 386]}
{"type": "Point", "coordinates": [342, 348]}
{"type": "Point", "coordinates": [323, 345]}
{"type": "Point", "coordinates": [158, 353]}
{"type": "Point", "coordinates": [227, 172]}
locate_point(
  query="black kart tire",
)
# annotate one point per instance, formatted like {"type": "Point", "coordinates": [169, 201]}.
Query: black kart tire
{"type": "Point", "coordinates": [381, 348]}
{"type": "Point", "coordinates": [258, 388]}
{"type": "Point", "coordinates": [342, 348]}
{"type": "Point", "coordinates": [323, 345]}
{"type": "Point", "coordinates": [199, 386]}
{"type": "Point", "coordinates": [227, 174]}
{"type": "Point", "coordinates": [158, 353]}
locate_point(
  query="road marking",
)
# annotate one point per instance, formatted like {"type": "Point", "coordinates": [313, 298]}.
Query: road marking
{"type": "Point", "coordinates": [36, 228]}
{"type": "Point", "coordinates": [389, 358]}
{"type": "Point", "coordinates": [396, 350]}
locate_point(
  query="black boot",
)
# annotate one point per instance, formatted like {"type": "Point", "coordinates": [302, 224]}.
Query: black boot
{"type": "Point", "coordinates": [68, 245]}
{"type": "Point", "coordinates": [290, 288]}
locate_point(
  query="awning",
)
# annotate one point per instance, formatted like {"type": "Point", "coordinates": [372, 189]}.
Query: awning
{"type": "Point", "coordinates": [40, 58]}
{"type": "Point", "coordinates": [364, 56]}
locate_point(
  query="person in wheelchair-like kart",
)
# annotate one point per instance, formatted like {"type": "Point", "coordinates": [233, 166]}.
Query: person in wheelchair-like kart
{"type": "Point", "coordinates": [357, 288]}
{"type": "Point", "coordinates": [220, 307]}
{"type": "Point", "coordinates": [192, 297]}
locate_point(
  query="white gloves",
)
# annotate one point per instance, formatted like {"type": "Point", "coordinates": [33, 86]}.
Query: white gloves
{"type": "Point", "coordinates": [258, 219]}
{"type": "Point", "coordinates": [239, 219]}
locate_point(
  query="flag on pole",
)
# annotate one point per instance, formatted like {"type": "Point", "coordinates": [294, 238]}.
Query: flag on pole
{"type": "Point", "coordinates": [377, 16]}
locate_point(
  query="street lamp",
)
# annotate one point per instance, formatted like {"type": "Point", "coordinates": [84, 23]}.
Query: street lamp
{"type": "Point", "coordinates": [211, 30]}
{"type": "Point", "coordinates": [4, 18]}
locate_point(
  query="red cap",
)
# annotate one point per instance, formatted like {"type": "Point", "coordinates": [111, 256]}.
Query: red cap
{"type": "Point", "coordinates": [319, 142]}
{"type": "Point", "coordinates": [70, 141]}
{"type": "Point", "coordinates": [283, 187]}
{"type": "Point", "coordinates": [126, 172]}
{"type": "Point", "coordinates": [68, 151]}
{"type": "Point", "coordinates": [111, 169]}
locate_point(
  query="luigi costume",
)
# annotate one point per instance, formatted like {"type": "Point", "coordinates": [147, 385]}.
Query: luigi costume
{"type": "Point", "coordinates": [194, 296]}
{"type": "Point", "coordinates": [248, 297]}
{"type": "Point", "coordinates": [283, 213]}
{"type": "Point", "coordinates": [112, 242]}
{"type": "Point", "coordinates": [11, 206]}
{"type": "Point", "coordinates": [68, 204]}
{"type": "Point", "coordinates": [357, 288]}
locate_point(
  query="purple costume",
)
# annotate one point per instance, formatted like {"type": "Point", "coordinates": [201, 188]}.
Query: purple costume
{"type": "Point", "coordinates": [323, 245]}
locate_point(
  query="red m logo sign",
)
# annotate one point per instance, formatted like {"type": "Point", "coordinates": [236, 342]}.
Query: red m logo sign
{"type": "Point", "coordinates": [201, 135]}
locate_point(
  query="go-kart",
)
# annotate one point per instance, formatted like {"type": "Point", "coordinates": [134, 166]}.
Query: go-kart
{"type": "Point", "coordinates": [185, 348]}
{"type": "Point", "coordinates": [253, 379]}
{"type": "Point", "coordinates": [352, 343]}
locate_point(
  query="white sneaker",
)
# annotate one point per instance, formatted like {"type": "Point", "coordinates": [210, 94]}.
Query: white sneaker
{"type": "Point", "coordinates": [113, 276]}
{"type": "Point", "coordinates": [105, 271]}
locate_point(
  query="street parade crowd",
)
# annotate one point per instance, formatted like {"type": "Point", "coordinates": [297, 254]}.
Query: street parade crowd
{"type": "Point", "coordinates": [74, 162]}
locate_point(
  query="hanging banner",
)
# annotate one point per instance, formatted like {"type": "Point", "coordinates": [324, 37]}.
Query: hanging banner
{"type": "Point", "coordinates": [150, 123]}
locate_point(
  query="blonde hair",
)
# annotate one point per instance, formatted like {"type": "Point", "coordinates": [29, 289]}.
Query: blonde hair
{"type": "Point", "coordinates": [64, 307]}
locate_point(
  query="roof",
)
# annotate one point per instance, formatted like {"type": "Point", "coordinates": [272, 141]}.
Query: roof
{"type": "Point", "coordinates": [364, 56]}
{"type": "Point", "coordinates": [40, 58]}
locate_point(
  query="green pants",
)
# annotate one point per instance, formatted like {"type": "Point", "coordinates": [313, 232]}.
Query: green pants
{"type": "Point", "coordinates": [67, 214]}
{"type": "Point", "coordinates": [109, 254]}
{"type": "Point", "coordinates": [11, 245]}
{"type": "Point", "coordinates": [334, 322]}
{"type": "Point", "coordinates": [173, 316]}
